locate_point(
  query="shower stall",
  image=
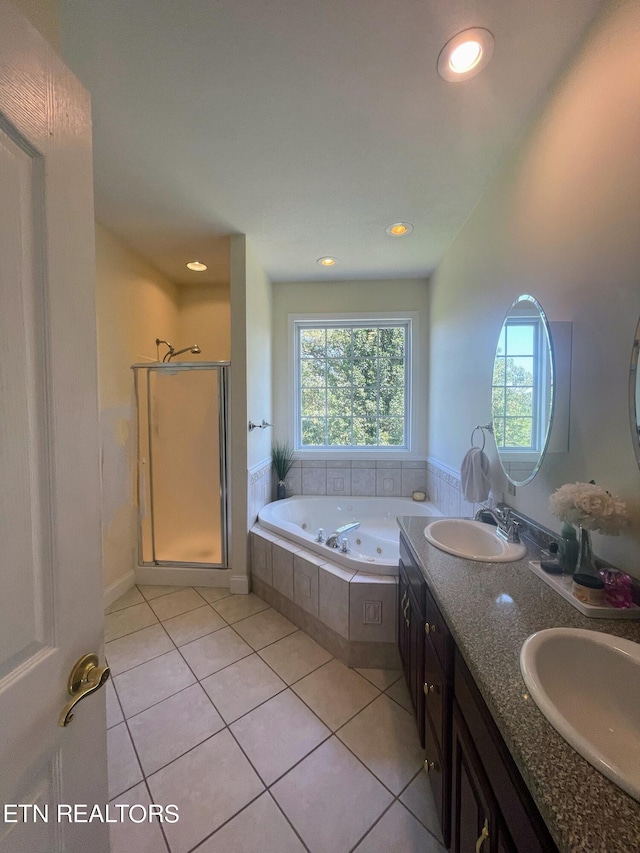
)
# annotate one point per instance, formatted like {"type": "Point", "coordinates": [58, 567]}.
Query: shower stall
{"type": "Point", "coordinates": [182, 463]}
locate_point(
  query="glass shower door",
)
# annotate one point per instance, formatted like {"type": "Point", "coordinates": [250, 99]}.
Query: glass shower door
{"type": "Point", "coordinates": [182, 465]}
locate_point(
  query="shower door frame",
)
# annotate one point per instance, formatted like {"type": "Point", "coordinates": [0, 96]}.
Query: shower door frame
{"type": "Point", "coordinates": [223, 408]}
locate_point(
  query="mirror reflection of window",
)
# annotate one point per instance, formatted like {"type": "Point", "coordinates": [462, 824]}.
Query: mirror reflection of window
{"type": "Point", "coordinates": [520, 377]}
{"type": "Point", "coordinates": [522, 390]}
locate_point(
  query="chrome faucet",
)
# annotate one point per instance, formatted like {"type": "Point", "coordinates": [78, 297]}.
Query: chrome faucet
{"type": "Point", "coordinates": [333, 541]}
{"type": "Point", "coordinates": [507, 526]}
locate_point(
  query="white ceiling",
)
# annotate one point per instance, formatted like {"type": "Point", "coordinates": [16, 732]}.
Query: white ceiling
{"type": "Point", "coordinates": [308, 125]}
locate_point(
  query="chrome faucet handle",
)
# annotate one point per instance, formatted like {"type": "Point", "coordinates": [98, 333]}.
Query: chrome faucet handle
{"type": "Point", "coordinates": [321, 536]}
{"type": "Point", "coordinates": [513, 529]}
{"type": "Point", "coordinates": [345, 546]}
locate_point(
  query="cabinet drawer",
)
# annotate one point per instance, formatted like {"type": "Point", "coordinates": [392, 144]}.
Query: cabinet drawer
{"type": "Point", "coordinates": [438, 695]}
{"type": "Point", "coordinates": [412, 575]}
{"type": "Point", "coordinates": [438, 634]}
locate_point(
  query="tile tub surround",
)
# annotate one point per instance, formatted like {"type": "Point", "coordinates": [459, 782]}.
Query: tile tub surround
{"type": "Point", "coordinates": [352, 614]}
{"type": "Point", "coordinates": [491, 609]}
{"type": "Point", "coordinates": [261, 488]}
{"type": "Point", "coordinates": [357, 478]}
{"type": "Point", "coordinates": [245, 750]}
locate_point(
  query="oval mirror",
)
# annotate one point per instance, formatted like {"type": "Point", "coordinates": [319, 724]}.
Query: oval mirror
{"type": "Point", "coordinates": [522, 396]}
{"type": "Point", "coordinates": [634, 395]}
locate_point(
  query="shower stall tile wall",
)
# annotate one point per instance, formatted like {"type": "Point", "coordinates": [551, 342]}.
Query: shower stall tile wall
{"type": "Point", "coordinates": [356, 477]}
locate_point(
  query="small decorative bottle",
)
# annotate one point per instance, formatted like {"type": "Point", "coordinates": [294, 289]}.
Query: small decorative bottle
{"type": "Point", "coordinates": [568, 548]}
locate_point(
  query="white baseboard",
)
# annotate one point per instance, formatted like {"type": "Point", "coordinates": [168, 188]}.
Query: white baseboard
{"type": "Point", "coordinates": [182, 576]}
{"type": "Point", "coordinates": [239, 584]}
{"type": "Point", "coordinates": [115, 590]}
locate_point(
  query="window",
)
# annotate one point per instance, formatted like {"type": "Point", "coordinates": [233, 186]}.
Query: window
{"type": "Point", "coordinates": [519, 381]}
{"type": "Point", "coordinates": [352, 384]}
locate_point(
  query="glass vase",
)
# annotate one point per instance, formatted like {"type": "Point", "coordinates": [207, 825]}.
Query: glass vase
{"type": "Point", "coordinates": [586, 561]}
{"type": "Point", "coordinates": [281, 490]}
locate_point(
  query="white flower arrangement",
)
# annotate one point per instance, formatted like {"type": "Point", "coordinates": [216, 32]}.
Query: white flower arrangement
{"type": "Point", "coordinates": [589, 506]}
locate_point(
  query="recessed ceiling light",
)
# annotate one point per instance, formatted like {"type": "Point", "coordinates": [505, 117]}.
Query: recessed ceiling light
{"type": "Point", "coordinates": [465, 54]}
{"type": "Point", "coordinates": [327, 262]}
{"type": "Point", "coordinates": [196, 266]}
{"type": "Point", "coordinates": [399, 229]}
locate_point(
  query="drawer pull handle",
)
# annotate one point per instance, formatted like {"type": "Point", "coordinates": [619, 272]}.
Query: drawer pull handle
{"type": "Point", "coordinates": [429, 628]}
{"type": "Point", "coordinates": [433, 689]}
{"type": "Point", "coordinates": [431, 766]}
{"type": "Point", "coordinates": [483, 836]}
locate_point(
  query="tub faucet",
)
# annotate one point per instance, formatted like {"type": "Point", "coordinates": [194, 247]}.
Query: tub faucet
{"type": "Point", "coordinates": [507, 525]}
{"type": "Point", "coordinates": [333, 541]}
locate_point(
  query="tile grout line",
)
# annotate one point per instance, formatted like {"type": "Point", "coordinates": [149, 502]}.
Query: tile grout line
{"type": "Point", "coordinates": [267, 788]}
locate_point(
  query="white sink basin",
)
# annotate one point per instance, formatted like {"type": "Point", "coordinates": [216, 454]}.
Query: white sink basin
{"type": "Point", "coordinates": [473, 540]}
{"type": "Point", "coordinates": [587, 684]}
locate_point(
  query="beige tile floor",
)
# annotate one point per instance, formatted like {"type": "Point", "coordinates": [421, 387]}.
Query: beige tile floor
{"type": "Point", "coordinates": [264, 741]}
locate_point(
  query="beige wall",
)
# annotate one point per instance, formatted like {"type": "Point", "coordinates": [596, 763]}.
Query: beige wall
{"type": "Point", "coordinates": [348, 297]}
{"type": "Point", "coordinates": [258, 360]}
{"type": "Point", "coordinates": [205, 319]}
{"type": "Point", "coordinates": [238, 416]}
{"type": "Point", "coordinates": [44, 16]}
{"type": "Point", "coordinates": [250, 391]}
{"type": "Point", "coordinates": [561, 221]}
{"type": "Point", "coordinates": [134, 304]}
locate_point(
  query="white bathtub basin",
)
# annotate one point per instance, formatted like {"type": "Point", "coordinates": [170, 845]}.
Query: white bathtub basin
{"type": "Point", "coordinates": [587, 684]}
{"type": "Point", "coordinates": [374, 545]}
{"type": "Point", "coordinates": [473, 540]}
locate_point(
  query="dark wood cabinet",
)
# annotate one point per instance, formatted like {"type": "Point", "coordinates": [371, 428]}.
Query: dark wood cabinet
{"type": "Point", "coordinates": [476, 820]}
{"type": "Point", "coordinates": [438, 691]}
{"type": "Point", "coordinates": [514, 823]}
{"type": "Point", "coordinates": [481, 799]}
{"type": "Point", "coordinates": [411, 593]}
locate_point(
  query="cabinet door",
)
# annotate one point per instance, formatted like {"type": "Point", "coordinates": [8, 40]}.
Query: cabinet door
{"type": "Point", "coordinates": [403, 624]}
{"type": "Point", "coordinates": [437, 698]}
{"type": "Point", "coordinates": [438, 769]}
{"type": "Point", "coordinates": [474, 813]}
{"type": "Point", "coordinates": [411, 647]}
{"type": "Point", "coordinates": [416, 674]}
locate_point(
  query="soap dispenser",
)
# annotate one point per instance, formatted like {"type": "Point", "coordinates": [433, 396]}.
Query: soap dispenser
{"type": "Point", "coordinates": [568, 548]}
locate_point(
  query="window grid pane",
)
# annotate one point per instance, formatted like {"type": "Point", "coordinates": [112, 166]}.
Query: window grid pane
{"type": "Point", "coordinates": [358, 373]}
{"type": "Point", "coordinates": [514, 386]}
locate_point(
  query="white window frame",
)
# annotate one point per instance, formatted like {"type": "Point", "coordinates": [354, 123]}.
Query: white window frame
{"type": "Point", "coordinates": [525, 454]}
{"type": "Point", "coordinates": [408, 318]}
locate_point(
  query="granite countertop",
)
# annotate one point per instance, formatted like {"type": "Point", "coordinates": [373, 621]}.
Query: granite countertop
{"type": "Point", "coordinates": [491, 609]}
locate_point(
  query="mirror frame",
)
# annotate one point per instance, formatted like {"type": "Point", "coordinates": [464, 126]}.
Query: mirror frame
{"type": "Point", "coordinates": [552, 406]}
{"type": "Point", "coordinates": [634, 393]}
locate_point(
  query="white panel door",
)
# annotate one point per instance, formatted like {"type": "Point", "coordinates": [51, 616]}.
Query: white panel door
{"type": "Point", "coordinates": [50, 562]}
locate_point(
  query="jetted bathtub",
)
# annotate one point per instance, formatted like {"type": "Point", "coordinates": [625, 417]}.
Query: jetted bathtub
{"type": "Point", "coordinates": [374, 545]}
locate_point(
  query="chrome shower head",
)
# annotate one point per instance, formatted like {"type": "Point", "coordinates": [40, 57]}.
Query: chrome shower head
{"type": "Point", "coordinates": [195, 349]}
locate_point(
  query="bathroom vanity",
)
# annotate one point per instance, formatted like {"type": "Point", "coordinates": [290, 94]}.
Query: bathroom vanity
{"type": "Point", "coordinates": [503, 780]}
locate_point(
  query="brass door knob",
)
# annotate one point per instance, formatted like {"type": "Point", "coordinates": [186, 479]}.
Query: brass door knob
{"type": "Point", "coordinates": [86, 677]}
